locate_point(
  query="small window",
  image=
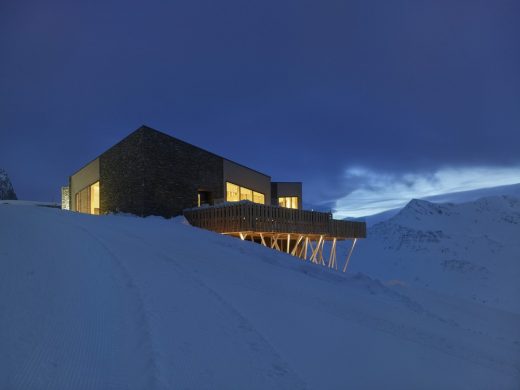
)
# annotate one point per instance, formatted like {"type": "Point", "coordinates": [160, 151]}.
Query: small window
{"type": "Point", "coordinates": [290, 202]}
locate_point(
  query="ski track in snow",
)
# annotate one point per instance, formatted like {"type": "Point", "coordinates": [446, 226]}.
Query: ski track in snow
{"type": "Point", "coordinates": [255, 338]}
{"type": "Point", "coordinates": [122, 302]}
{"type": "Point", "coordinates": [142, 319]}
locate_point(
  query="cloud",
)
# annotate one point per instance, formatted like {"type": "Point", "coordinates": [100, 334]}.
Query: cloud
{"type": "Point", "coordinates": [376, 192]}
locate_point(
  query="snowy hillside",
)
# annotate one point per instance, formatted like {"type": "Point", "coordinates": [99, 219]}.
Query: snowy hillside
{"type": "Point", "coordinates": [471, 250]}
{"type": "Point", "coordinates": [512, 190]}
{"type": "Point", "coordinates": [117, 302]}
{"type": "Point", "coordinates": [6, 188]}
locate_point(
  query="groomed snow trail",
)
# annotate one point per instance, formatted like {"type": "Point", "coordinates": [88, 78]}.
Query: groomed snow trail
{"type": "Point", "coordinates": [128, 303]}
{"type": "Point", "coordinates": [125, 318]}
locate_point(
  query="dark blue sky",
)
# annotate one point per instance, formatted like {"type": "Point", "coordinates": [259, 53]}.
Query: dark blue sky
{"type": "Point", "coordinates": [346, 96]}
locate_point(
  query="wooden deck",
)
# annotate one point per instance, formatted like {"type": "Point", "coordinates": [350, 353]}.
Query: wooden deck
{"type": "Point", "coordinates": [240, 217]}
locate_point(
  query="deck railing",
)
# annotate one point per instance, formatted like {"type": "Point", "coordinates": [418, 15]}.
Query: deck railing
{"type": "Point", "coordinates": [252, 217]}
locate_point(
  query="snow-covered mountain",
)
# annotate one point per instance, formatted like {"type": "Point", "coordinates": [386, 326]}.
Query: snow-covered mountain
{"type": "Point", "coordinates": [119, 302]}
{"type": "Point", "coordinates": [6, 188]}
{"type": "Point", "coordinates": [452, 197]}
{"type": "Point", "coordinates": [471, 250]}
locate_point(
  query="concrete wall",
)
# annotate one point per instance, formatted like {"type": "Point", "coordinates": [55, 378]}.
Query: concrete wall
{"type": "Point", "coordinates": [245, 177]}
{"type": "Point", "coordinates": [86, 176]}
{"type": "Point", "coordinates": [291, 188]}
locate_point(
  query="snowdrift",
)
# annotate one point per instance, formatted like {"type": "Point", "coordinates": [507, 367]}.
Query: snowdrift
{"type": "Point", "coordinates": [117, 302]}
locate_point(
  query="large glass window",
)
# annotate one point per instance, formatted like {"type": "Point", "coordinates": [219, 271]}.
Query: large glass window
{"type": "Point", "coordinates": [87, 200]}
{"type": "Point", "coordinates": [290, 202]}
{"type": "Point", "coordinates": [94, 198]}
{"type": "Point", "coordinates": [234, 193]}
{"type": "Point", "coordinates": [258, 197]}
{"type": "Point", "coordinates": [246, 194]}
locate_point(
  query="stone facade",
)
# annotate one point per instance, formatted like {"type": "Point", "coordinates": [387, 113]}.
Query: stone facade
{"type": "Point", "coordinates": [152, 173]}
{"type": "Point", "coordinates": [121, 177]}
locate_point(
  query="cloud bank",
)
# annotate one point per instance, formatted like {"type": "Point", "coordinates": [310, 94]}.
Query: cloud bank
{"type": "Point", "coordinates": [378, 191]}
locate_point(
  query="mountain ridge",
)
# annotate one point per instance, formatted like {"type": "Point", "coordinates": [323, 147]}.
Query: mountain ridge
{"type": "Point", "coordinates": [470, 249]}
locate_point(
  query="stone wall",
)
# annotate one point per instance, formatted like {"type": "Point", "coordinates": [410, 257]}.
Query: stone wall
{"type": "Point", "coordinates": [121, 177]}
{"type": "Point", "coordinates": [152, 173]}
{"type": "Point", "coordinates": [175, 171]}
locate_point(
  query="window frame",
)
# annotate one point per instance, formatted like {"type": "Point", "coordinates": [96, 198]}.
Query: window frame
{"type": "Point", "coordinates": [240, 196]}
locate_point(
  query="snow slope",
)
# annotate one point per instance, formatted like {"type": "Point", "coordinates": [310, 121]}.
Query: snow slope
{"type": "Point", "coordinates": [512, 190]}
{"type": "Point", "coordinates": [118, 302]}
{"type": "Point", "coordinates": [471, 250]}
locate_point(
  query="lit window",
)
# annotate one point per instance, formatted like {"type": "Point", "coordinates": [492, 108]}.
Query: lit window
{"type": "Point", "coordinates": [290, 202]}
{"type": "Point", "coordinates": [258, 197]}
{"type": "Point", "coordinates": [87, 200]}
{"type": "Point", "coordinates": [234, 193]}
{"type": "Point", "coordinates": [246, 194]}
{"type": "Point", "coordinates": [94, 198]}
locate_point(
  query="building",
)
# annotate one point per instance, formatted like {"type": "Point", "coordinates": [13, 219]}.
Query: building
{"type": "Point", "coordinates": [153, 173]}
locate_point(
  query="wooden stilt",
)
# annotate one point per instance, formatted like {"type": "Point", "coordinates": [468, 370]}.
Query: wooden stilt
{"type": "Point", "coordinates": [301, 246]}
{"type": "Point", "coordinates": [275, 243]}
{"type": "Point", "coordinates": [332, 256]}
{"type": "Point", "coordinates": [296, 246]}
{"type": "Point", "coordinates": [320, 253]}
{"type": "Point", "coordinates": [349, 254]}
{"type": "Point", "coordinates": [315, 252]}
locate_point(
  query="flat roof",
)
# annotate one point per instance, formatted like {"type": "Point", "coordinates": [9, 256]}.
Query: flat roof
{"type": "Point", "coordinates": [148, 128]}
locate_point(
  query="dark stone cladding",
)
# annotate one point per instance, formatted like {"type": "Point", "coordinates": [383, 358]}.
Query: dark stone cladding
{"type": "Point", "coordinates": [274, 193]}
{"type": "Point", "coordinates": [152, 173]}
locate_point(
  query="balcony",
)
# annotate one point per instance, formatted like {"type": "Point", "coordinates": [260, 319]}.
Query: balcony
{"type": "Point", "coordinates": [301, 233]}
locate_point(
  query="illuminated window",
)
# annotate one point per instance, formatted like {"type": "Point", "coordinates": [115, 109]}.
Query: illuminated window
{"type": "Point", "coordinates": [234, 193]}
{"type": "Point", "coordinates": [87, 200]}
{"type": "Point", "coordinates": [290, 202]}
{"type": "Point", "coordinates": [258, 197]}
{"type": "Point", "coordinates": [94, 198]}
{"type": "Point", "coordinates": [246, 194]}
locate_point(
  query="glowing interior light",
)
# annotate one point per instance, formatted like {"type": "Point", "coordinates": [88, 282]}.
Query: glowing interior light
{"type": "Point", "coordinates": [235, 193]}
{"type": "Point", "coordinates": [290, 202]}
{"type": "Point", "coordinates": [87, 200]}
